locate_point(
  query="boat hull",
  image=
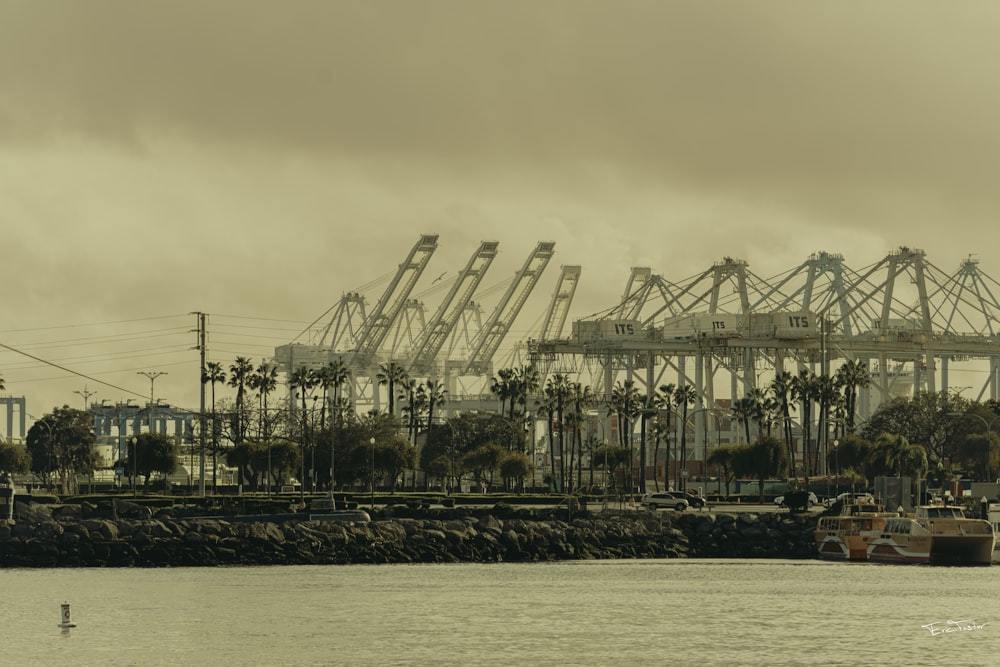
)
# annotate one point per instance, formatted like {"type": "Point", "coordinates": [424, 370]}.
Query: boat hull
{"type": "Point", "coordinates": [900, 550]}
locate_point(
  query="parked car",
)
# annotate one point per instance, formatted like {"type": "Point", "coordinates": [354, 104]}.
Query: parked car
{"type": "Point", "coordinates": [813, 500]}
{"type": "Point", "coordinates": [694, 501]}
{"type": "Point", "coordinates": [664, 499]}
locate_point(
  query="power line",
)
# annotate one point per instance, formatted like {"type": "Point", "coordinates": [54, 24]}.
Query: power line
{"type": "Point", "coordinates": [69, 370]}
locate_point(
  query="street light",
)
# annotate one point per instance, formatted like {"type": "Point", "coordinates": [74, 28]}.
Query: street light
{"type": "Point", "coordinates": [372, 441]}
{"type": "Point", "coordinates": [718, 434]}
{"type": "Point", "coordinates": [86, 393]}
{"type": "Point", "coordinates": [152, 375]}
{"type": "Point", "coordinates": [135, 457]}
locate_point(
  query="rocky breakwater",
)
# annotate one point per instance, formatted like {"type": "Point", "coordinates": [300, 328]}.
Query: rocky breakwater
{"type": "Point", "coordinates": [68, 537]}
{"type": "Point", "coordinates": [749, 535]}
{"type": "Point", "coordinates": [77, 536]}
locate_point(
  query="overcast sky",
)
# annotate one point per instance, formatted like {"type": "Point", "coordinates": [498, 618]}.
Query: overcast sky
{"type": "Point", "coordinates": [258, 159]}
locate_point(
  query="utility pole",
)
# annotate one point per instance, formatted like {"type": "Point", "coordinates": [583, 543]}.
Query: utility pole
{"type": "Point", "coordinates": [202, 348]}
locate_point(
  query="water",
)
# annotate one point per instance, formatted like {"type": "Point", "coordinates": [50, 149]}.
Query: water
{"type": "Point", "coordinates": [655, 612]}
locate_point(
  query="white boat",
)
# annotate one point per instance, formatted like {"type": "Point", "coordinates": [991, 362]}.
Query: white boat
{"type": "Point", "coordinates": [937, 534]}
{"type": "Point", "coordinates": [994, 518]}
{"type": "Point", "coordinates": [846, 536]}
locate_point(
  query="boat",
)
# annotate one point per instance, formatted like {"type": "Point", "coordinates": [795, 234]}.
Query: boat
{"type": "Point", "coordinates": [936, 534]}
{"type": "Point", "coordinates": [902, 540]}
{"type": "Point", "coordinates": [846, 536]}
{"type": "Point", "coordinates": [993, 517]}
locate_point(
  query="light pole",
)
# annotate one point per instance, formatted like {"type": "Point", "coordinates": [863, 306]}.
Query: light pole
{"type": "Point", "coordinates": [86, 393]}
{"type": "Point", "coordinates": [152, 375]}
{"type": "Point", "coordinates": [372, 441]}
{"type": "Point", "coordinates": [704, 445]}
{"type": "Point", "coordinates": [135, 458]}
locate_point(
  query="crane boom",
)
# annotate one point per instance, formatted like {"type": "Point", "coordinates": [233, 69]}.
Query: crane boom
{"type": "Point", "coordinates": [485, 344]}
{"type": "Point", "coordinates": [385, 313]}
{"type": "Point", "coordinates": [444, 320]}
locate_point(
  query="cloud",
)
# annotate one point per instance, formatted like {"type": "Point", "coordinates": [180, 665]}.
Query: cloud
{"type": "Point", "coordinates": [244, 158]}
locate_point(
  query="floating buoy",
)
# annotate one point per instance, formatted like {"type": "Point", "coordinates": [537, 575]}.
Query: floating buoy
{"type": "Point", "coordinates": [66, 621]}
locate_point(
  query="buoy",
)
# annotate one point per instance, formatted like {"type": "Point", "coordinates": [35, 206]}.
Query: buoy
{"type": "Point", "coordinates": [66, 622]}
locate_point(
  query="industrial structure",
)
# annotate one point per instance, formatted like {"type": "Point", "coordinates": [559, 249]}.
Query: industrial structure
{"type": "Point", "coordinates": [725, 332]}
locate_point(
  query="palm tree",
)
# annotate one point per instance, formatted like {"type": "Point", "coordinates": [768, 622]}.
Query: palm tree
{"type": "Point", "coordinates": [391, 374]}
{"type": "Point", "coordinates": [304, 380]}
{"type": "Point", "coordinates": [853, 375]}
{"type": "Point", "coordinates": [684, 397]}
{"type": "Point", "coordinates": [626, 402]}
{"type": "Point", "coordinates": [557, 390]}
{"type": "Point", "coordinates": [239, 374]}
{"type": "Point", "coordinates": [664, 399]}
{"type": "Point", "coordinates": [742, 411]}
{"type": "Point", "coordinates": [213, 374]}
{"type": "Point", "coordinates": [803, 389]}
{"type": "Point", "coordinates": [781, 386]}
{"type": "Point", "coordinates": [264, 380]}
{"type": "Point", "coordinates": [526, 384]}
{"type": "Point", "coordinates": [436, 397]}
{"type": "Point", "coordinates": [408, 391]}
{"type": "Point", "coordinates": [647, 410]}
{"type": "Point", "coordinates": [332, 376]}
{"type": "Point", "coordinates": [502, 387]}
{"type": "Point", "coordinates": [581, 398]}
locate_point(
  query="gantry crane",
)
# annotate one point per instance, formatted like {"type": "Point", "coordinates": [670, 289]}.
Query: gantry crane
{"type": "Point", "coordinates": [450, 311]}
{"type": "Point", "coordinates": [485, 345]}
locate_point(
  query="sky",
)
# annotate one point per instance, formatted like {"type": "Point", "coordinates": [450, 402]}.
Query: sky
{"type": "Point", "coordinates": [256, 160]}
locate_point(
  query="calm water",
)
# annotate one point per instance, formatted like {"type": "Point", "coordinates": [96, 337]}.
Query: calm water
{"type": "Point", "coordinates": [650, 612]}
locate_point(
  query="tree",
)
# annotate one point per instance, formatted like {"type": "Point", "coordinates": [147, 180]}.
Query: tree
{"type": "Point", "coordinates": [304, 380]}
{"type": "Point", "coordinates": [391, 374]}
{"type": "Point", "coordinates": [781, 387]}
{"type": "Point", "coordinates": [852, 376]}
{"type": "Point", "coordinates": [213, 374]}
{"type": "Point", "coordinates": [14, 459]}
{"type": "Point", "coordinates": [264, 380]}
{"type": "Point", "coordinates": [804, 390]}
{"type": "Point", "coordinates": [483, 461]}
{"type": "Point", "coordinates": [557, 394]}
{"type": "Point", "coordinates": [610, 458]}
{"type": "Point", "coordinates": [722, 458]}
{"type": "Point", "coordinates": [239, 377]}
{"type": "Point", "coordinates": [765, 458]}
{"type": "Point", "coordinates": [515, 467]}
{"type": "Point", "coordinates": [925, 418]}
{"type": "Point", "coordinates": [626, 402]}
{"type": "Point", "coordinates": [435, 396]}
{"type": "Point", "coordinates": [684, 398]}
{"type": "Point", "coordinates": [149, 453]}
{"type": "Point", "coordinates": [61, 444]}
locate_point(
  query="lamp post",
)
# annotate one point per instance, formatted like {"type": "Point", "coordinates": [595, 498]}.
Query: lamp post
{"type": "Point", "coordinates": [86, 393]}
{"type": "Point", "coordinates": [152, 375]}
{"type": "Point", "coordinates": [372, 441]}
{"type": "Point", "coordinates": [836, 457]}
{"type": "Point", "coordinates": [718, 432]}
{"type": "Point", "coordinates": [135, 458]}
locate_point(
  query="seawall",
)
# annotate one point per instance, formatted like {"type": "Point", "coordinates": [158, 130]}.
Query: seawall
{"type": "Point", "coordinates": [74, 536]}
